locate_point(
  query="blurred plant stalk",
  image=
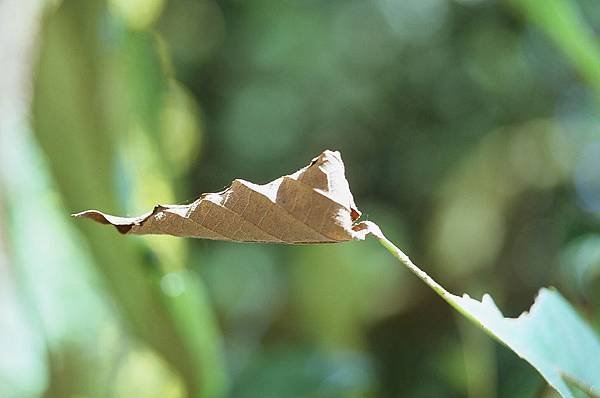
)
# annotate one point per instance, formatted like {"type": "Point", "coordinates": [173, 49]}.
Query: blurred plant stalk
{"type": "Point", "coordinates": [562, 22]}
{"type": "Point", "coordinates": [71, 129]}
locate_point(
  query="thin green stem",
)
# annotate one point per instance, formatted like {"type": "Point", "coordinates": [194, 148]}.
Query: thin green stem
{"type": "Point", "coordinates": [404, 259]}
{"type": "Point", "coordinates": [479, 313]}
{"type": "Point", "coordinates": [452, 299]}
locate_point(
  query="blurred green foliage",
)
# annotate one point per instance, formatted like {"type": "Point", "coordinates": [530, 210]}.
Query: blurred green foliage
{"type": "Point", "coordinates": [470, 133]}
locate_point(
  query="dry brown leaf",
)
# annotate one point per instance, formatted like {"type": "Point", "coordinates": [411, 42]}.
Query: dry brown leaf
{"type": "Point", "coordinates": [313, 205]}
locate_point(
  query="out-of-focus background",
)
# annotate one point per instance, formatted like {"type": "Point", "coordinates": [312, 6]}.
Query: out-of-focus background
{"type": "Point", "coordinates": [470, 132]}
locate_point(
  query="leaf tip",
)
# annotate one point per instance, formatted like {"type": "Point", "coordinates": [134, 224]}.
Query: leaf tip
{"type": "Point", "coordinates": [121, 224]}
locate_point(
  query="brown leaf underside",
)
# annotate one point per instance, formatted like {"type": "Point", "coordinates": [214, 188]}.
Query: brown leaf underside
{"type": "Point", "coordinates": [313, 205]}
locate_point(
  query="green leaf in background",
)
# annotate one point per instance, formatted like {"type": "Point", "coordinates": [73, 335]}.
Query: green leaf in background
{"type": "Point", "coordinates": [306, 372]}
{"type": "Point", "coordinates": [552, 337]}
{"type": "Point", "coordinates": [563, 22]}
{"type": "Point", "coordinates": [163, 307]}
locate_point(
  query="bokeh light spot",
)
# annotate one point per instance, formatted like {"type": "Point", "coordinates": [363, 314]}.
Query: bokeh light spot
{"type": "Point", "coordinates": [172, 284]}
{"type": "Point", "coordinates": [137, 14]}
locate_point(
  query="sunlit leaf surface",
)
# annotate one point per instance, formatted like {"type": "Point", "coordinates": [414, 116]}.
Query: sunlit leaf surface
{"type": "Point", "coordinates": [551, 336]}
